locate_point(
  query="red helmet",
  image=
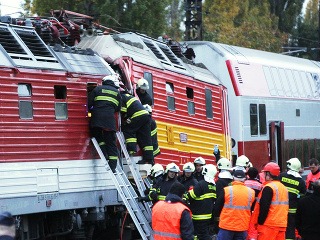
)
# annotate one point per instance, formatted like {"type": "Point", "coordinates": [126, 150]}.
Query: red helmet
{"type": "Point", "coordinates": [273, 168]}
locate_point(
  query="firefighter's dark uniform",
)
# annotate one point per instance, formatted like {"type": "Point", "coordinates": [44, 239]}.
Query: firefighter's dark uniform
{"type": "Point", "coordinates": [198, 176]}
{"type": "Point", "coordinates": [145, 98]}
{"type": "Point", "coordinates": [296, 188]}
{"type": "Point", "coordinates": [202, 199]}
{"type": "Point", "coordinates": [161, 188]}
{"type": "Point", "coordinates": [136, 127]}
{"type": "Point", "coordinates": [154, 138]}
{"type": "Point", "coordinates": [188, 182]}
{"type": "Point", "coordinates": [104, 102]}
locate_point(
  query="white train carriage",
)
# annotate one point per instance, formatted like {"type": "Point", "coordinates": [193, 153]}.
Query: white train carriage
{"type": "Point", "coordinates": [274, 101]}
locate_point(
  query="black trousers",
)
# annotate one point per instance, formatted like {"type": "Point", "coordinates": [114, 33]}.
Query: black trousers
{"type": "Point", "coordinates": [139, 132]}
{"type": "Point", "coordinates": [107, 142]}
{"type": "Point", "coordinates": [201, 229]}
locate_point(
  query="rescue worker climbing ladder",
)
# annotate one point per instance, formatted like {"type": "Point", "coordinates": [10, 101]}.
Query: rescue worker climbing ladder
{"type": "Point", "coordinates": [136, 127]}
{"type": "Point", "coordinates": [104, 101]}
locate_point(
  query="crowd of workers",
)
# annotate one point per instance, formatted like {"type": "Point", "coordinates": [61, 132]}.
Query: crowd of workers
{"type": "Point", "coordinates": [235, 203]}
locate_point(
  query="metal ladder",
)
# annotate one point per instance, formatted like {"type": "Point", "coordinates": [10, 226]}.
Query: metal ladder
{"type": "Point", "coordinates": [129, 197]}
{"type": "Point", "coordinates": [135, 172]}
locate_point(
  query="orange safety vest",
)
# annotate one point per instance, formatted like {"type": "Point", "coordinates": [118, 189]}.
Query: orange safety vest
{"type": "Point", "coordinates": [236, 211]}
{"type": "Point", "coordinates": [166, 220]}
{"type": "Point", "coordinates": [278, 211]}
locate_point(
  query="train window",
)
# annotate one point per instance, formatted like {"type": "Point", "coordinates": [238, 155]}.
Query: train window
{"type": "Point", "coordinates": [209, 112]}
{"type": "Point", "coordinates": [253, 119]}
{"type": "Point", "coordinates": [189, 93]}
{"type": "Point", "coordinates": [170, 99]}
{"type": "Point", "coordinates": [169, 87]}
{"type": "Point", "coordinates": [262, 119]}
{"type": "Point", "coordinates": [61, 110]}
{"type": "Point", "coordinates": [191, 109]}
{"type": "Point", "coordinates": [25, 110]}
{"type": "Point", "coordinates": [171, 103]}
{"type": "Point", "coordinates": [294, 88]}
{"type": "Point", "coordinates": [285, 82]}
{"type": "Point", "coordinates": [271, 84]}
{"type": "Point", "coordinates": [148, 76]}
{"type": "Point", "coordinates": [297, 112]}
{"type": "Point", "coordinates": [60, 92]}
{"type": "Point", "coordinates": [24, 90]}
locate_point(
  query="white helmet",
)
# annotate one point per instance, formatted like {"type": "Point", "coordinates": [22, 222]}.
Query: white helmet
{"type": "Point", "coordinates": [224, 163]}
{"type": "Point", "coordinates": [242, 161]}
{"type": "Point", "coordinates": [114, 78]}
{"type": "Point", "coordinates": [148, 108]}
{"type": "Point", "coordinates": [209, 171]}
{"type": "Point", "coordinates": [294, 164]}
{"type": "Point", "coordinates": [199, 160]}
{"type": "Point", "coordinates": [156, 170]}
{"type": "Point", "coordinates": [143, 84]}
{"type": "Point", "coordinates": [172, 167]}
{"type": "Point", "coordinates": [188, 167]}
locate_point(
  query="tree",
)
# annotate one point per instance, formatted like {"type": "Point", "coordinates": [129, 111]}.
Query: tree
{"type": "Point", "coordinates": [244, 23]}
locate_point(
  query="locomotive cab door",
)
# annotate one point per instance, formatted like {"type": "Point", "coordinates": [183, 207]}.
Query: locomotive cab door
{"type": "Point", "coordinates": [276, 130]}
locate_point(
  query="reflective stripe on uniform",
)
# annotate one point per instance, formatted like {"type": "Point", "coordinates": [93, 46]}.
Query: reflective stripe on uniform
{"type": "Point", "coordinates": [202, 217]}
{"type": "Point", "coordinates": [230, 205]}
{"type": "Point", "coordinates": [165, 234]}
{"type": "Point", "coordinates": [113, 157]}
{"type": "Point", "coordinates": [105, 98]}
{"type": "Point", "coordinates": [139, 113]}
{"type": "Point", "coordinates": [204, 196]}
{"type": "Point", "coordinates": [102, 143]}
{"type": "Point", "coordinates": [153, 132]}
{"type": "Point", "coordinates": [148, 148]}
{"type": "Point", "coordinates": [131, 140]}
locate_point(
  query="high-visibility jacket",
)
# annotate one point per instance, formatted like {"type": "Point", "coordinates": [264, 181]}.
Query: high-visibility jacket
{"type": "Point", "coordinates": [278, 211]}
{"type": "Point", "coordinates": [312, 177]}
{"type": "Point", "coordinates": [166, 218]}
{"type": "Point", "coordinates": [236, 212]}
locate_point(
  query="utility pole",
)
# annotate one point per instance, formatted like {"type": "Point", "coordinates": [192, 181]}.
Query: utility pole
{"type": "Point", "coordinates": [193, 20]}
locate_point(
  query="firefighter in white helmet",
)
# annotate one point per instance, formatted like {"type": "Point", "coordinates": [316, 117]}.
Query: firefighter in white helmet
{"type": "Point", "coordinates": [161, 188]}
{"type": "Point", "coordinates": [225, 177]}
{"type": "Point", "coordinates": [199, 162]}
{"type": "Point", "coordinates": [296, 187]}
{"type": "Point", "coordinates": [202, 199]}
{"type": "Point", "coordinates": [242, 163]}
{"type": "Point", "coordinates": [103, 102]}
{"type": "Point", "coordinates": [187, 178]}
{"type": "Point", "coordinates": [141, 90]}
{"type": "Point", "coordinates": [156, 174]}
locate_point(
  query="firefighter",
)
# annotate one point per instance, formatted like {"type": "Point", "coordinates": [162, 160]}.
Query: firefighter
{"type": "Point", "coordinates": [308, 214]}
{"type": "Point", "coordinates": [187, 179]}
{"type": "Point", "coordinates": [271, 210]}
{"type": "Point", "coordinates": [199, 162]}
{"type": "Point", "coordinates": [104, 101]}
{"type": "Point", "coordinates": [225, 177]}
{"type": "Point", "coordinates": [313, 175]}
{"type": "Point", "coordinates": [242, 163]}
{"type": "Point", "coordinates": [202, 199]}
{"type": "Point", "coordinates": [171, 219]}
{"type": "Point", "coordinates": [296, 188]}
{"type": "Point", "coordinates": [141, 91]}
{"type": "Point", "coordinates": [154, 132]}
{"type": "Point", "coordinates": [161, 188]}
{"type": "Point", "coordinates": [233, 209]}
{"type": "Point", "coordinates": [136, 127]}
{"type": "Point", "coordinates": [156, 174]}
